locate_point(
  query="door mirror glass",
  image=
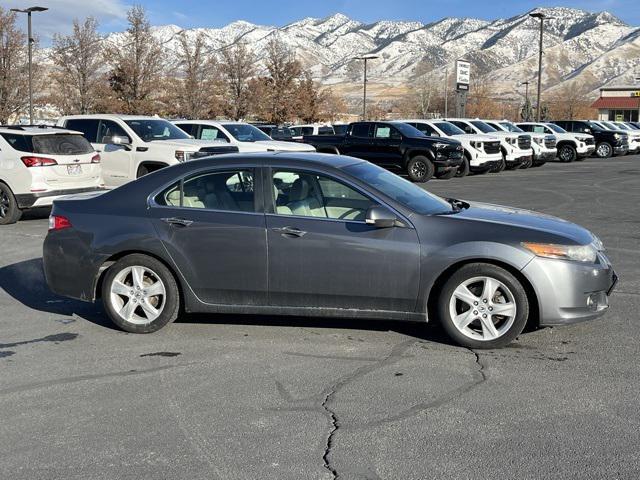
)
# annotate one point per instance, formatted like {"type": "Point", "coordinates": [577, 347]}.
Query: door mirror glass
{"type": "Point", "coordinates": [116, 140]}
{"type": "Point", "coordinates": [380, 217]}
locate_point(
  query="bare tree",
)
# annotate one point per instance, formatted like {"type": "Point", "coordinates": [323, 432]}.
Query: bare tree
{"type": "Point", "coordinates": [570, 101]}
{"type": "Point", "coordinates": [237, 67]}
{"type": "Point", "coordinates": [136, 61]}
{"type": "Point", "coordinates": [197, 80]}
{"type": "Point", "coordinates": [78, 60]}
{"type": "Point", "coordinates": [284, 73]}
{"type": "Point", "coordinates": [14, 96]}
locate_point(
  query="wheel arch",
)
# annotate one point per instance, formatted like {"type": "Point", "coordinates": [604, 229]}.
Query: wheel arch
{"type": "Point", "coordinates": [532, 296]}
{"type": "Point", "coordinates": [154, 164]}
{"type": "Point", "coordinates": [416, 152]}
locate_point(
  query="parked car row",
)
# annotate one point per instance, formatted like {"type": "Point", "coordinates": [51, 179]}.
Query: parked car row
{"type": "Point", "coordinates": [88, 152]}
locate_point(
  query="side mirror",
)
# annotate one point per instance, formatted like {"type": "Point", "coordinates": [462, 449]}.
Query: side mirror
{"type": "Point", "coordinates": [116, 140]}
{"type": "Point", "coordinates": [380, 217]}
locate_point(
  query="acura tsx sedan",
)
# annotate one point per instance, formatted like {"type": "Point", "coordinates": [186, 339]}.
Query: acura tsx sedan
{"type": "Point", "coordinates": [320, 235]}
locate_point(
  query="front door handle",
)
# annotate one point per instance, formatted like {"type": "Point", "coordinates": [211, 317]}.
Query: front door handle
{"type": "Point", "coordinates": [294, 232]}
{"type": "Point", "coordinates": [178, 222]}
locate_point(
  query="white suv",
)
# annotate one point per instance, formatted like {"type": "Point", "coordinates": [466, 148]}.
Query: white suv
{"type": "Point", "coordinates": [242, 135]}
{"type": "Point", "coordinates": [571, 146]}
{"type": "Point", "coordinates": [40, 164]}
{"type": "Point", "coordinates": [132, 146]}
{"type": "Point", "coordinates": [300, 131]}
{"type": "Point", "coordinates": [516, 148]}
{"type": "Point", "coordinates": [482, 152]}
{"type": "Point", "coordinates": [634, 135]}
{"type": "Point", "coordinates": [543, 145]}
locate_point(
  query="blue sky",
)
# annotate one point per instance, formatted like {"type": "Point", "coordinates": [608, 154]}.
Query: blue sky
{"type": "Point", "coordinates": [216, 13]}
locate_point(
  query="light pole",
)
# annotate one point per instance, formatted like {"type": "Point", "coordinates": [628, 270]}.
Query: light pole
{"type": "Point", "coordinates": [30, 40]}
{"type": "Point", "coordinates": [526, 99]}
{"type": "Point", "coordinates": [446, 92]}
{"type": "Point", "coordinates": [364, 90]}
{"type": "Point", "coordinates": [541, 16]}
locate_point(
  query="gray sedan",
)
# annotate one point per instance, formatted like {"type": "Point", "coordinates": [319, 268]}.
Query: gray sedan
{"type": "Point", "coordinates": [320, 235]}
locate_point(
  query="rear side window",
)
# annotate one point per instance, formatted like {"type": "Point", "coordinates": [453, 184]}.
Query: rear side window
{"type": "Point", "coordinates": [56, 144]}
{"type": "Point", "coordinates": [326, 130]}
{"type": "Point", "coordinates": [360, 130]}
{"type": "Point", "coordinates": [88, 127]}
{"type": "Point", "coordinates": [188, 128]}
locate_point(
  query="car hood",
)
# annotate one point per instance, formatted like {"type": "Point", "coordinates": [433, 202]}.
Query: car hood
{"type": "Point", "coordinates": [280, 146]}
{"type": "Point", "coordinates": [190, 143]}
{"type": "Point", "coordinates": [527, 220]}
{"type": "Point", "coordinates": [476, 138]}
{"type": "Point", "coordinates": [506, 134]}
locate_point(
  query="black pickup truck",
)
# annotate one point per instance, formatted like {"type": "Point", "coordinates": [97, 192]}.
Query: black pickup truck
{"type": "Point", "coordinates": [608, 142]}
{"type": "Point", "coordinates": [394, 145]}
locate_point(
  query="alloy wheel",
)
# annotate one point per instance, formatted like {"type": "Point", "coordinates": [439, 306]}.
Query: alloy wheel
{"type": "Point", "coordinates": [5, 204]}
{"type": "Point", "coordinates": [419, 169]}
{"type": "Point", "coordinates": [138, 295]}
{"type": "Point", "coordinates": [604, 150]}
{"type": "Point", "coordinates": [482, 308]}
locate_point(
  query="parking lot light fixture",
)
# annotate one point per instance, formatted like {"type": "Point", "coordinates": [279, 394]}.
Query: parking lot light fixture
{"type": "Point", "coordinates": [540, 16]}
{"type": "Point", "coordinates": [30, 41]}
{"type": "Point", "coordinates": [365, 58]}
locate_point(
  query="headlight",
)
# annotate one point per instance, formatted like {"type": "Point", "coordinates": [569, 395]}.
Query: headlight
{"type": "Point", "coordinates": [512, 141]}
{"type": "Point", "coordinates": [476, 145]}
{"type": "Point", "coordinates": [439, 145]}
{"type": "Point", "coordinates": [616, 136]}
{"type": "Point", "coordinates": [183, 156]}
{"type": "Point", "coordinates": [577, 253]}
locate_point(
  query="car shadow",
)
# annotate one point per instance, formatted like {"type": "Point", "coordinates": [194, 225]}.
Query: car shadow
{"type": "Point", "coordinates": [25, 282]}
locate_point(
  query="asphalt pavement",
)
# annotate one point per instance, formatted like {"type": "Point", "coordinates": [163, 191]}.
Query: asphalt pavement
{"type": "Point", "coordinates": [250, 397]}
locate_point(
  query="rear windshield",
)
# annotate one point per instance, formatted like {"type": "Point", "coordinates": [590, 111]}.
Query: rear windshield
{"type": "Point", "coordinates": [55, 144]}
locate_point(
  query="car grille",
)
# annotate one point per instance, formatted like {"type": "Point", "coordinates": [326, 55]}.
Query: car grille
{"type": "Point", "coordinates": [492, 147]}
{"type": "Point", "coordinates": [550, 142]}
{"type": "Point", "coordinates": [590, 141]}
{"type": "Point", "coordinates": [524, 142]}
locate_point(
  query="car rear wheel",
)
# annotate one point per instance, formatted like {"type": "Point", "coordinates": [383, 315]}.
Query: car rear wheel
{"type": "Point", "coordinates": [420, 169]}
{"type": "Point", "coordinates": [464, 168]}
{"type": "Point", "coordinates": [9, 211]}
{"type": "Point", "coordinates": [604, 150]}
{"type": "Point", "coordinates": [483, 306]}
{"type": "Point", "coordinates": [140, 294]}
{"type": "Point", "coordinates": [567, 153]}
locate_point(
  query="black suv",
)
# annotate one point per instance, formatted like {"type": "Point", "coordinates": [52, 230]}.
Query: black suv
{"type": "Point", "coordinates": [608, 142]}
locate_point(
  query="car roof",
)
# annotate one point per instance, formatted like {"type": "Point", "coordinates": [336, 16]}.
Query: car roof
{"type": "Point", "coordinates": [304, 158]}
{"type": "Point", "coordinates": [110, 116]}
{"type": "Point", "coordinates": [36, 130]}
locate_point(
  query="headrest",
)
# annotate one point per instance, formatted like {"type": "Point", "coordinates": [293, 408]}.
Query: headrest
{"type": "Point", "coordinates": [299, 190]}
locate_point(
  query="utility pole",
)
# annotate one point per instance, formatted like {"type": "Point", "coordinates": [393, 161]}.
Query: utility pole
{"type": "Point", "coordinates": [526, 99]}
{"type": "Point", "coordinates": [364, 89]}
{"type": "Point", "coordinates": [540, 16]}
{"type": "Point", "coordinates": [446, 92]}
{"type": "Point", "coordinates": [30, 40]}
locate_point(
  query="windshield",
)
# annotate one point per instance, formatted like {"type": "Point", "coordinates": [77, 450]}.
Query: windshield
{"type": "Point", "coordinates": [512, 127]}
{"type": "Point", "coordinates": [596, 126]}
{"type": "Point", "coordinates": [610, 125]}
{"type": "Point", "coordinates": [556, 128]}
{"type": "Point", "coordinates": [483, 127]}
{"type": "Point", "coordinates": [243, 132]}
{"type": "Point", "coordinates": [150, 130]}
{"type": "Point", "coordinates": [402, 191]}
{"type": "Point", "coordinates": [408, 130]}
{"type": "Point", "coordinates": [622, 126]}
{"type": "Point", "coordinates": [449, 128]}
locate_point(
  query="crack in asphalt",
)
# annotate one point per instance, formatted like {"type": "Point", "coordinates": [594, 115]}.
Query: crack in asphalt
{"type": "Point", "coordinates": [329, 444]}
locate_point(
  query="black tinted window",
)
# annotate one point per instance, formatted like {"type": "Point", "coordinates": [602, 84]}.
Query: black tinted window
{"type": "Point", "coordinates": [188, 128]}
{"type": "Point", "coordinates": [88, 127]}
{"type": "Point", "coordinates": [22, 143]}
{"type": "Point", "coordinates": [109, 129]}
{"type": "Point", "coordinates": [55, 144]}
{"type": "Point", "coordinates": [360, 130]}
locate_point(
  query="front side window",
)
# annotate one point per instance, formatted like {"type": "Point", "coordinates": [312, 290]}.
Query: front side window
{"type": "Point", "coordinates": [555, 128]}
{"type": "Point", "coordinates": [243, 132]}
{"type": "Point", "coordinates": [108, 130]}
{"type": "Point", "coordinates": [426, 129]}
{"type": "Point", "coordinates": [310, 195]}
{"type": "Point", "coordinates": [152, 129]}
{"type": "Point", "coordinates": [211, 133]}
{"type": "Point", "coordinates": [449, 128]}
{"type": "Point", "coordinates": [360, 130]}
{"type": "Point", "coordinates": [231, 191]}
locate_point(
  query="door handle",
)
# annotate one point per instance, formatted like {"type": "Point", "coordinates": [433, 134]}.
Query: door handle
{"type": "Point", "coordinates": [178, 222]}
{"type": "Point", "coordinates": [295, 232]}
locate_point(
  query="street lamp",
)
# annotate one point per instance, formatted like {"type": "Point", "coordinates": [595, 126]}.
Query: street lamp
{"type": "Point", "coordinates": [541, 16]}
{"type": "Point", "coordinates": [364, 95]}
{"type": "Point", "coordinates": [526, 98]}
{"type": "Point", "coordinates": [30, 40]}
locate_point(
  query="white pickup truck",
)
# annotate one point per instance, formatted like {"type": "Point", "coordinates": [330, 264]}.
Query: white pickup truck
{"type": "Point", "coordinates": [571, 146]}
{"type": "Point", "coordinates": [482, 152]}
{"type": "Point", "coordinates": [543, 145]}
{"type": "Point", "coordinates": [132, 146]}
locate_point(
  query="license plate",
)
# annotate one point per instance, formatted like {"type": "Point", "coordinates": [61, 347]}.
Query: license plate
{"type": "Point", "coordinates": [74, 169]}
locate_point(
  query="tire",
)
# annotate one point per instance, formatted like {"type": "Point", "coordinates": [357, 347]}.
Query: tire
{"type": "Point", "coordinates": [483, 330]}
{"type": "Point", "coordinates": [9, 210]}
{"type": "Point", "coordinates": [604, 150]}
{"type": "Point", "coordinates": [500, 167]}
{"type": "Point", "coordinates": [464, 168]}
{"type": "Point", "coordinates": [420, 169]}
{"type": "Point", "coordinates": [567, 153]}
{"type": "Point", "coordinates": [122, 288]}
{"type": "Point", "coordinates": [446, 175]}
{"type": "Point", "coordinates": [526, 164]}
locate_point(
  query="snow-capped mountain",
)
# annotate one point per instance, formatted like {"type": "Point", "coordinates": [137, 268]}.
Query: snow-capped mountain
{"type": "Point", "coordinates": [583, 49]}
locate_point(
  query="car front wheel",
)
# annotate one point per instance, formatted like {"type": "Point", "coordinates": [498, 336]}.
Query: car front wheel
{"type": "Point", "coordinates": [567, 153]}
{"type": "Point", "coordinates": [420, 169]}
{"type": "Point", "coordinates": [140, 294]}
{"type": "Point", "coordinates": [604, 150]}
{"type": "Point", "coordinates": [483, 306]}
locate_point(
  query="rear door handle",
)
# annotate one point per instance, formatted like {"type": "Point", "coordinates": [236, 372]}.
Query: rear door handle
{"type": "Point", "coordinates": [178, 222]}
{"type": "Point", "coordinates": [295, 232]}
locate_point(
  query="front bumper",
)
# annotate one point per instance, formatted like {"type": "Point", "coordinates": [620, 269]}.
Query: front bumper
{"type": "Point", "coordinates": [585, 151]}
{"type": "Point", "coordinates": [570, 292]}
{"type": "Point", "coordinates": [486, 166]}
{"type": "Point", "coordinates": [447, 163]}
{"type": "Point", "coordinates": [45, 199]}
{"type": "Point", "coordinates": [545, 156]}
{"type": "Point", "coordinates": [621, 150]}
